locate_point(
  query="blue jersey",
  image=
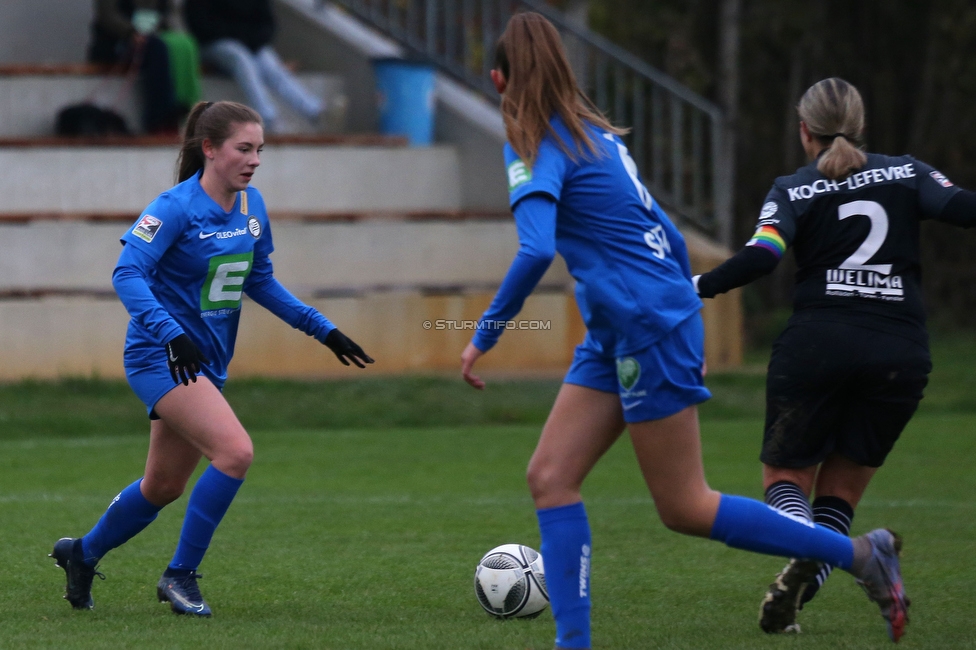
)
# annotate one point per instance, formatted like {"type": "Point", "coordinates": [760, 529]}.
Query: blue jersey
{"type": "Point", "coordinates": [197, 261]}
{"type": "Point", "coordinates": [633, 277]}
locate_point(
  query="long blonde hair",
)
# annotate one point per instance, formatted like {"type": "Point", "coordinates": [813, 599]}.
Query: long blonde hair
{"type": "Point", "coordinates": [833, 111]}
{"type": "Point", "coordinates": [540, 84]}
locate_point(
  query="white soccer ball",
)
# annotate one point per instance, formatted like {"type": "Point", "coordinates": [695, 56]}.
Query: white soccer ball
{"type": "Point", "coordinates": [510, 582]}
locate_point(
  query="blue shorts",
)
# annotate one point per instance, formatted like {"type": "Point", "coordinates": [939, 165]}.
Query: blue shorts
{"type": "Point", "coordinates": [653, 383]}
{"type": "Point", "coordinates": [150, 379]}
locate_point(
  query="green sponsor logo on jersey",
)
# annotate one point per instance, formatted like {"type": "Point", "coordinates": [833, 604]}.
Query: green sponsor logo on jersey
{"type": "Point", "coordinates": [518, 174]}
{"type": "Point", "coordinates": [224, 285]}
{"type": "Point", "coordinates": [628, 372]}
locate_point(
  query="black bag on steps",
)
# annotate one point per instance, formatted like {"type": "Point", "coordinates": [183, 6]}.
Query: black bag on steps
{"type": "Point", "coordinates": [86, 119]}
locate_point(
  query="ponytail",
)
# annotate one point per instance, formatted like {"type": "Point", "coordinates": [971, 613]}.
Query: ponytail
{"type": "Point", "coordinates": [212, 121]}
{"type": "Point", "coordinates": [840, 159]}
{"type": "Point", "coordinates": [541, 84]}
{"type": "Point", "coordinates": [190, 160]}
{"type": "Point", "coordinates": [833, 106]}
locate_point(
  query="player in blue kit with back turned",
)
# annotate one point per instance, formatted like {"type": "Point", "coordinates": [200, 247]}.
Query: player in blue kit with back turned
{"type": "Point", "coordinates": [184, 268]}
{"type": "Point", "coordinates": [575, 189]}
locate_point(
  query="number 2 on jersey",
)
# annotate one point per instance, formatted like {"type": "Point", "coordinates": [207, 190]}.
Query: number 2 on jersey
{"type": "Point", "coordinates": [875, 239]}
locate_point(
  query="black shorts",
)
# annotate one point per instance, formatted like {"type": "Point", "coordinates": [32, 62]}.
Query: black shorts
{"type": "Point", "coordinates": [834, 387]}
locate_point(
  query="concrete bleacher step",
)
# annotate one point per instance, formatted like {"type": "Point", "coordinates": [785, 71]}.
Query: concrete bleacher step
{"type": "Point", "coordinates": [316, 254]}
{"type": "Point", "coordinates": [409, 331]}
{"type": "Point", "coordinates": [401, 283]}
{"type": "Point", "coordinates": [298, 174]}
{"type": "Point", "coordinates": [407, 285]}
{"type": "Point", "coordinates": [32, 95]}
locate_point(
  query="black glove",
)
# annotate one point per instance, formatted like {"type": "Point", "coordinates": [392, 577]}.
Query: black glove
{"type": "Point", "coordinates": [184, 359]}
{"type": "Point", "coordinates": [345, 348]}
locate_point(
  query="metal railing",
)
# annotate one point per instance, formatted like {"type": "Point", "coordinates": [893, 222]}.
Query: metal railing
{"type": "Point", "coordinates": [676, 136]}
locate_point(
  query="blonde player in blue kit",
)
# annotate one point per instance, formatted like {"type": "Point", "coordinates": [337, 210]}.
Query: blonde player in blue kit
{"type": "Point", "coordinates": [574, 189]}
{"type": "Point", "coordinates": [184, 268]}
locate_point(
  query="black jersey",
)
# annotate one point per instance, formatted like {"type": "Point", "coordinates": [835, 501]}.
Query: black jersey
{"type": "Point", "coordinates": [856, 240]}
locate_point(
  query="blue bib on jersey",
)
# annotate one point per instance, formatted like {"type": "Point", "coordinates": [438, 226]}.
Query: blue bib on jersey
{"type": "Point", "coordinates": [203, 256]}
{"type": "Point", "coordinates": [633, 277]}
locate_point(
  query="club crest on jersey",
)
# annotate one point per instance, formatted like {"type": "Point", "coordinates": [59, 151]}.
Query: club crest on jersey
{"type": "Point", "coordinates": [940, 178]}
{"type": "Point", "coordinates": [518, 174]}
{"type": "Point", "coordinates": [768, 210]}
{"type": "Point", "coordinates": [147, 228]}
{"type": "Point", "coordinates": [254, 226]}
{"type": "Point", "coordinates": [628, 372]}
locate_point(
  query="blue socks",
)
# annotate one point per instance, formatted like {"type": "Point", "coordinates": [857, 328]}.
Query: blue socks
{"type": "Point", "coordinates": [740, 523]}
{"type": "Point", "coordinates": [128, 514]}
{"type": "Point", "coordinates": [566, 556]}
{"type": "Point", "coordinates": [209, 501]}
{"type": "Point", "coordinates": [751, 525]}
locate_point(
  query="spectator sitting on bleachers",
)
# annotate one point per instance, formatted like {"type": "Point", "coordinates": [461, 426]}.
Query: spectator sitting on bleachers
{"type": "Point", "coordinates": [234, 38]}
{"type": "Point", "coordinates": [127, 33]}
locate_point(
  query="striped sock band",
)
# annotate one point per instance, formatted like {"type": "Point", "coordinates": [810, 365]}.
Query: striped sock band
{"type": "Point", "coordinates": [788, 497]}
{"type": "Point", "coordinates": [836, 514]}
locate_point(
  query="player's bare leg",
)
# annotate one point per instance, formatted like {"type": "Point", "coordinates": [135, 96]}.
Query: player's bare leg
{"type": "Point", "coordinates": [169, 464]}
{"type": "Point", "coordinates": [583, 424]}
{"type": "Point", "coordinates": [669, 453]}
{"type": "Point", "coordinates": [200, 416]}
{"type": "Point", "coordinates": [841, 477]}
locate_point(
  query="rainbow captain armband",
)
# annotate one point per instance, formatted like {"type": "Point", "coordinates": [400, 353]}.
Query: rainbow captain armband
{"type": "Point", "coordinates": [769, 238]}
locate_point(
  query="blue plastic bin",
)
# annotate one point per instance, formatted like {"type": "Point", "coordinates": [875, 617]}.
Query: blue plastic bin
{"type": "Point", "coordinates": [405, 91]}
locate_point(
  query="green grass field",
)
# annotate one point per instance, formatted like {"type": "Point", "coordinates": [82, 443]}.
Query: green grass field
{"type": "Point", "coordinates": [370, 502]}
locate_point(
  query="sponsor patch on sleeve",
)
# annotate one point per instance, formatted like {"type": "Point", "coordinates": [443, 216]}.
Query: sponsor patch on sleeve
{"type": "Point", "coordinates": [940, 178]}
{"type": "Point", "coordinates": [147, 228]}
{"type": "Point", "coordinates": [518, 174]}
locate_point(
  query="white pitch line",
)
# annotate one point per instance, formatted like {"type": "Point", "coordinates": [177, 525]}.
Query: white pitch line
{"type": "Point", "coordinates": [51, 498]}
{"type": "Point", "coordinates": [74, 443]}
{"type": "Point", "coordinates": [917, 503]}
{"type": "Point", "coordinates": [439, 500]}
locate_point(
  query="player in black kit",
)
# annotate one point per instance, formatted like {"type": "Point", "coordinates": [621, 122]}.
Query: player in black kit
{"type": "Point", "coordinates": [847, 373]}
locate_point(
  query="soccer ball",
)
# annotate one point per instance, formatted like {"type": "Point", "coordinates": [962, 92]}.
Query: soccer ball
{"type": "Point", "coordinates": [510, 582]}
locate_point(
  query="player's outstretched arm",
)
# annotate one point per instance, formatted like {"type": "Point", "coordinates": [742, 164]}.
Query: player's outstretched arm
{"type": "Point", "coordinates": [273, 296]}
{"type": "Point", "coordinates": [535, 218]}
{"type": "Point", "coordinates": [749, 264]}
{"type": "Point", "coordinates": [960, 210]}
